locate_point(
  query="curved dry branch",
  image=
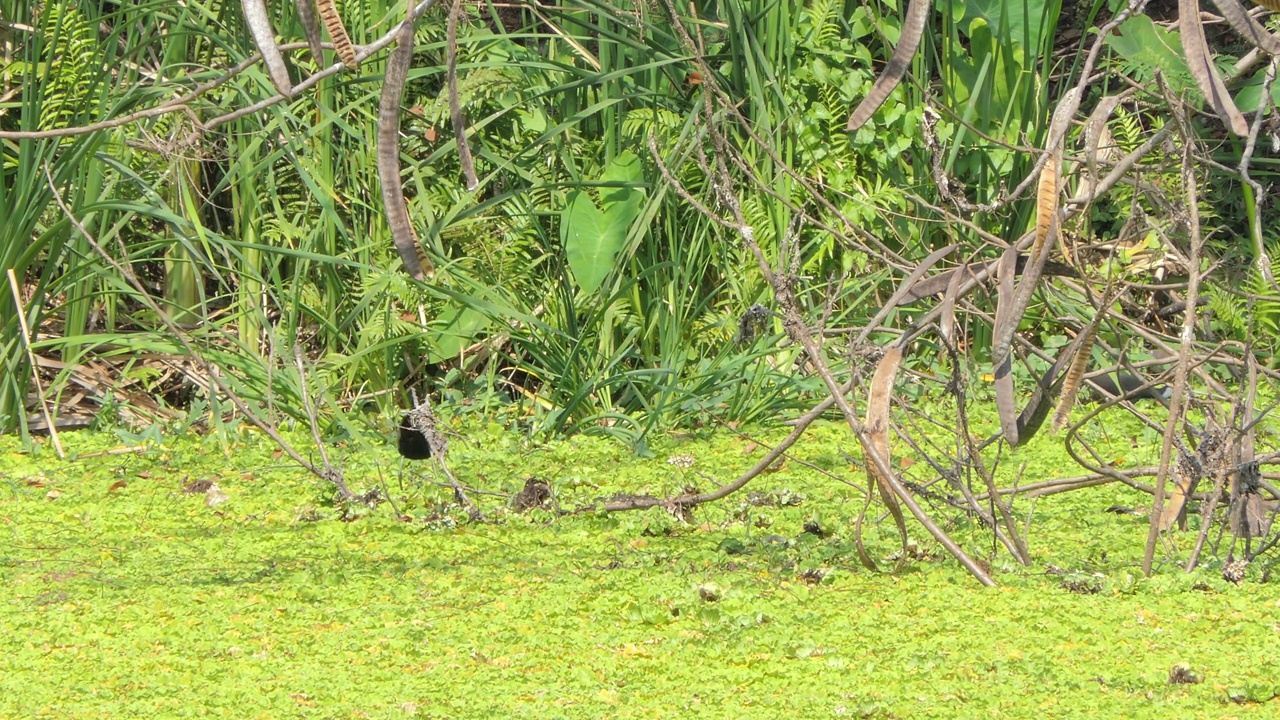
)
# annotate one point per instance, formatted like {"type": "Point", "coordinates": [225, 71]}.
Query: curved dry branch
{"type": "Point", "coordinates": [645, 502]}
{"type": "Point", "coordinates": [913, 29]}
{"type": "Point", "coordinates": [311, 27]}
{"type": "Point", "coordinates": [455, 107]}
{"type": "Point", "coordinates": [255, 16]}
{"type": "Point", "coordinates": [389, 152]}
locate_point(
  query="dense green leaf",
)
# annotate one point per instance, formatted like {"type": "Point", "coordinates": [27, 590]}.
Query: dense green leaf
{"type": "Point", "coordinates": [594, 235]}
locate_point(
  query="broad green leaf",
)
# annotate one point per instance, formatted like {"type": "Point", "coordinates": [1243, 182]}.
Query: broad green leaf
{"type": "Point", "coordinates": [1146, 48]}
{"type": "Point", "coordinates": [1021, 23]}
{"type": "Point", "coordinates": [455, 329]}
{"type": "Point", "coordinates": [593, 236]}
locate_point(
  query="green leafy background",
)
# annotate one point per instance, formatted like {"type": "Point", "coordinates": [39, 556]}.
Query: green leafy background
{"type": "Point", "coordinates": [141, 601]}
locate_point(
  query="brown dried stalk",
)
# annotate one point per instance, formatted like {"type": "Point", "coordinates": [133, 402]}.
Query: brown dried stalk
{"type": "Point", "coordinates": [455, 107]}
{"type": "Point", "coordinates": [255, 16]}
{"type": "Point", "coordinates": [1188, 329]}
{"type": "Point", "coordinates": [389, 153]}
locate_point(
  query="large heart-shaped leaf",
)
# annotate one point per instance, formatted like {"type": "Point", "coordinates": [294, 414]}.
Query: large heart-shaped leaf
{"type": "Point", "coordinates": [593, 236]}
{"type": "Point", "coordinates": [455, 329]}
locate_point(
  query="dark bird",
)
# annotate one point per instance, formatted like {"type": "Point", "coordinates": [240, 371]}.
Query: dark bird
{"type": "Point", "coordinates": [413, 443]}
{"type": "Point", "coordinates": [1128, 387]}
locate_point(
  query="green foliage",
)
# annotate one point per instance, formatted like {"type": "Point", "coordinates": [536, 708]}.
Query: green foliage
{"type": "Point", "coordinates": [123, 596]}
{"type": "Point", "coordinates": [593, 235]}
{"type": "Point", "coordinates": [1147, 48]}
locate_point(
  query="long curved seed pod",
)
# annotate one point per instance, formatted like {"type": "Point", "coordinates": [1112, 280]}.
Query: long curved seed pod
{"type": "Point", "coordinates": [310, 26]}
{"type": "Point", "coordinates": [1046, 232]}
{"type": "Point", "coordinates": [1075, 375]}
{"type": "Point", "coordinates": [1041, 402]}
{"type": "Point", "coordinates": [1046, 205]}
{"type": "Point", "coordinates": [904, 288]}
{"type": "Point", "coordinates": [389, 150]}
{"type": "Point", "coordinates": [947, 323]}
{"type": "Point", "coordinates": [1006, 402]}
{"type": "Point", "coordinates": [1202, 69]}
{"type": "Point", "coordinates": [338, 32]}
{"type": "Point", "coordinates": [1095, 136]}
{"type": "Point", "coordinates": [1081, 351]}
{"type": "Point", "coordinates": [908, 41]}
{"type": "Point", "coordinates": [935, 284]}
{"type": "Point", "coordinates": [1251, 29]}
{"type": "Point", "coordinates": [877, 436]}
{"type": "Point", "coordinates": [455, 107]}
{"type": "Point", "coordinates": [255, 16]}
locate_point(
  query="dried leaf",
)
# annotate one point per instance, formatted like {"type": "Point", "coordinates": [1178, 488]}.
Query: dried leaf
{"type": "Point", "coordinates": [213, 496]}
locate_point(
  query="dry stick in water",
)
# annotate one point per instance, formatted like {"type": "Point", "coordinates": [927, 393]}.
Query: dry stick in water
{"type": "Point", "coordinates": [1200, 62]}
{"type": "Point", "coordinates": [31, 360]}
{"type": "Point", "coordinates": [796, 327]}
{"type": "Point", "coordinates": [455, 107]}
{"type": "Point", "coordinates": [912, 31]}
{"type": "Point", "coordinates": [255, 16]}
{"type": "Point", "coordinates": [338, 33]}
{"type": "Point", "coordinates": [800, 333]}
{"type": "Point", "coordinates": [389, 153]}
{"type": "Point", "coordinates": [688, 500]}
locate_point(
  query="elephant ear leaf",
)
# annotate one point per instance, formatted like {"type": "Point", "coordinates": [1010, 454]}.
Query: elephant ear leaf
{"type": "Point", "coordinates": [594, 235]}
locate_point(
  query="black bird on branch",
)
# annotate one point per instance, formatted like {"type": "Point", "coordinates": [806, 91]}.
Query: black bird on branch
{"type": "Point", "coordinates": [413, 444]}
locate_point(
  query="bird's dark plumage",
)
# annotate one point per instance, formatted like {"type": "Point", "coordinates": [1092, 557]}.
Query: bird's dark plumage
{"type": "Point", "coordinates": [413, 444]}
